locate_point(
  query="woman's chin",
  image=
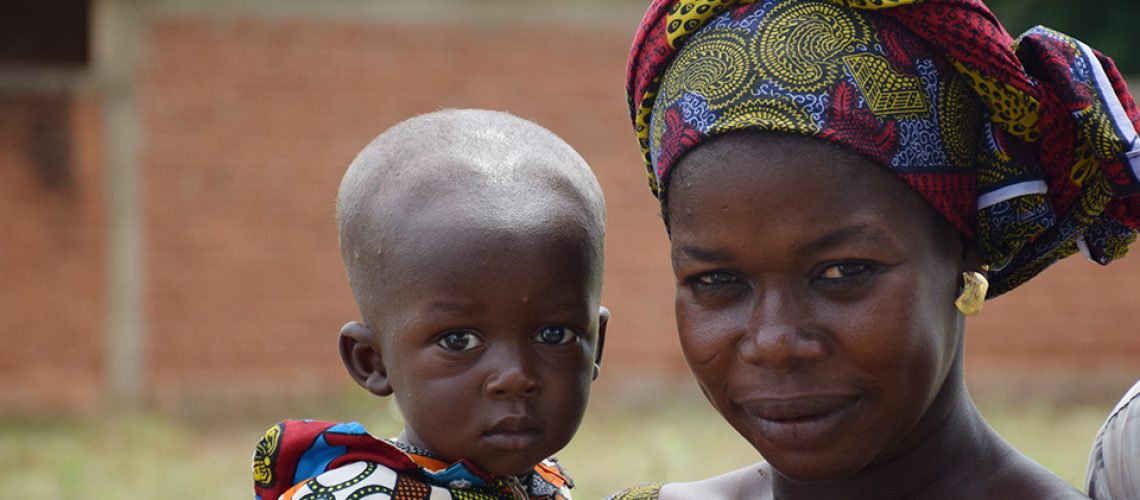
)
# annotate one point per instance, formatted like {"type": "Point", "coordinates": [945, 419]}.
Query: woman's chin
{"type": "Point", "coordinates": [804, 466]}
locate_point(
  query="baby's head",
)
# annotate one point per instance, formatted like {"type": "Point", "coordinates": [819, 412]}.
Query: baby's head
{"type": "Point", "coordinates": [473, 245]}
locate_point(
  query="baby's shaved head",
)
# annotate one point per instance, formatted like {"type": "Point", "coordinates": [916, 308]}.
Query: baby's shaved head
{"type": "Point", "coordinates": [461, 168]}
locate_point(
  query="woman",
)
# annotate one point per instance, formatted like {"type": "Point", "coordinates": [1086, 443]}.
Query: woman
{"type": "Point", "coordinates": [839, 179]}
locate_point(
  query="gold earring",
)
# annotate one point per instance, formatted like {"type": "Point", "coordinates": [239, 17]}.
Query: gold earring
{"type": "Point", "coordinates": [974, 287]}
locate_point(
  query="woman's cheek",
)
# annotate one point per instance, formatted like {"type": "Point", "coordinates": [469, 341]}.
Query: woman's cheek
{"type": "Point", "coordinates": [705, 335]}
{"type": "Point", "coordinates": [711, 356]}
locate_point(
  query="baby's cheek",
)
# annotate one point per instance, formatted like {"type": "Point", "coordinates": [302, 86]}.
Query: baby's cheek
{"type": "Point", "coordinates": [570, 358]}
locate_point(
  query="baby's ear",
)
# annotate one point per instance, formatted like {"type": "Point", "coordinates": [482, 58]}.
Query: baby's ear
{"type": "Point", "coordinates": [603, 320]}
{"type": "Point", "coordinates": [360, 351]}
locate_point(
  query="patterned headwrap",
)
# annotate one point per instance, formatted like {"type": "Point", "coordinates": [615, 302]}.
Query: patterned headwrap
{"type": "Point", "coordinates": [1029, 147]}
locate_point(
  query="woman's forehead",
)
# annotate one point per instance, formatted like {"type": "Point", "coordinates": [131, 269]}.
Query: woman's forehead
{"type": "Point", "coordinates": [800, 189]}
{"type": "Point", "coordinates": [753, 161]}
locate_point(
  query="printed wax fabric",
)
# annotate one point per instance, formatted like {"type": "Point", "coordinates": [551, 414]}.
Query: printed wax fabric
{"type": "Point", "coordinates": [648, 491]}
{"type": "Point", "coordinates": [310, 460]}
{"type": "Point", "coordinates": [1114, 465]}
{"type": "Point", "coordinates": [1029, 147]}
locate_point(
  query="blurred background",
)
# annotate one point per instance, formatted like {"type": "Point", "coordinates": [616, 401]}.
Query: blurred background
{"type": "Point", "coordinates": [170, 284]}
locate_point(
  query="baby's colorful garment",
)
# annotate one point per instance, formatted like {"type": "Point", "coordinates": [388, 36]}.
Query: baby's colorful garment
{"type": "Point", "coordinates": [310, 459]}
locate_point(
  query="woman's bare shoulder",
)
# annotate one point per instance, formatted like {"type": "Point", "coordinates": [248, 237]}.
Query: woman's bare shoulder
{"type": "Point", "coordinates": [1006, 474]}
{"type": "Point", "coordinates": [753, 481]}
{"type": "Point", "coordinates": [1021, 480]}
{"type": "Point", "coordinates": [1021, 477]}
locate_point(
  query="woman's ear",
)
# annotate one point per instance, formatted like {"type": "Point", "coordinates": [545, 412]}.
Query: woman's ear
{"type": "Point", "coordinates": [603, 320]}
{"type": "Point", "coordinates": [360, 351]}
{"type": "Point", "coordinates": [971, 256]}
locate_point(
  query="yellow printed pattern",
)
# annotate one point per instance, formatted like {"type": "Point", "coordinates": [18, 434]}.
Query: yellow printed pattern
{"type": "Point", "coordinates": [958, 105]}
{"type": "Point", "coordinates": [887, 91]}
{"type": "Point", "coordinates": [1095, 196]}
{"type": "Point", "coordinates": [801, 44]}
{"type": "Point", "coordinates": [874, 4]}
{"type": "Point", "coordinates": [641, 128]}
{"type": "Point", "coordinates": [1012, 110]}
{"type": "Point", "coordinates": [650, 491]}
{"type": "Point", "coordinates": [717, 66]}
{"type": "Point", "coordinates": [263, 456]}
{"type": "Point", "coordinates": [1116, 247]}
{"type": "Point", "coordinates": [1096, 127]}
{"type": "Point", "coordinates": [766, 114]}
{"type": "Point", "coordinates": [1085, 163]}
{"type": "Point", "coordinates": [688, 16]}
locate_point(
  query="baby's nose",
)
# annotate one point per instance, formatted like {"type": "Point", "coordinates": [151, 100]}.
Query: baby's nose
{"type": "Point", "coordinates": [511, 377]}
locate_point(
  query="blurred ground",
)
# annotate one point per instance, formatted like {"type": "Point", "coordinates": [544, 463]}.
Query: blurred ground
{"type": "Point", "coordinates": [646, 435]}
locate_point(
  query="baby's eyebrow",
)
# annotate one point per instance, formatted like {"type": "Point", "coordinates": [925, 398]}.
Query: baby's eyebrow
{"type": "Point", "coordinates": [456, 306]}
{"type": "Point", "coordinates": [857, 232]}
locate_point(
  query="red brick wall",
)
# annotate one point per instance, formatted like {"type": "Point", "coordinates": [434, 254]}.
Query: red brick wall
{"type": "Point", "coordinates": [51, 251]}
{"type": "Point", "coordinates": [250, 124]}
{"type": "Point", "coordinates": [247, 126]}
{"type": "Point", "coordinates": [1074, 323]}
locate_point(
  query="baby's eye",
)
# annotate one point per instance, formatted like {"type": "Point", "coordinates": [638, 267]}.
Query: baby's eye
{"type": "Point", "coordinates": [555, 335]}
{"type": "Point", "coordinates": [459, 341]}
{"type": "Point", "coordinates": [843, 270]}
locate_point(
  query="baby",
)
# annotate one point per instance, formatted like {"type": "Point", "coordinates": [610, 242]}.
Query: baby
{"type": "Point", "coordinates": [472, 240]}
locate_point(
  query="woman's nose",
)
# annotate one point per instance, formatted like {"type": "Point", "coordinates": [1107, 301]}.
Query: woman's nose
{"type": "Point", "coordinates": [777, 337]}
{"type": "Point", "coordinates": [511, 375]}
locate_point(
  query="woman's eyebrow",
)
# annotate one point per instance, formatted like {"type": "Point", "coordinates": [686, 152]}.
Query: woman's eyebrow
{"type": "Point", "coordinates": [703, 254]}
{"type": "Point", "coordinates": [862, 233]}
{"type": "Point", "coordinates": [859, 232]}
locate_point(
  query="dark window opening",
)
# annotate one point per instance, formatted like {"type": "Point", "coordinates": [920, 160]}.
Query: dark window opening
{"type": "Point", "coordinates": [45, 33]}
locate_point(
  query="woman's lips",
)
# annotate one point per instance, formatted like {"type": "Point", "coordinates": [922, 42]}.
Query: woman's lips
{"type": "Point", "coordinates": [803, 421]}
{"type": "Point", "coordinates": [515, 432]}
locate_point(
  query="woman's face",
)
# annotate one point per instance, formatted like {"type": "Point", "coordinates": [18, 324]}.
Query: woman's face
{"type": "Point", "coordinates": [814, 300]}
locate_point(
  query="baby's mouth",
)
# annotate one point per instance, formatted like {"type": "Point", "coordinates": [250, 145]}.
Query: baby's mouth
{"type": "Point", "coordinates": [514, 432]}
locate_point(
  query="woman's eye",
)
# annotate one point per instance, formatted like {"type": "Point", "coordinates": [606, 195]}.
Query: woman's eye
{"type": "Point", "coordinates": [715, 284]}
{"type": "Point", "coordinates": [716, 278]}
{"type": "Point", "coordinates": [459, 341]}
{"type": "Point", "coordinates": [555, 335]}
{"type": "Point", "coordinates": [842, 271]}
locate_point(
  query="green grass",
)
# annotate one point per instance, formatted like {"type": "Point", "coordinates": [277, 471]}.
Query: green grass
{"type": "Point", "coordinates": [624, 440]}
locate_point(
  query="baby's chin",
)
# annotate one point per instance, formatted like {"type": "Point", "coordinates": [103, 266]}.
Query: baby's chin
{"type": "Point", "coordinates": [513, 470]}
{"type": "Point", "coordinates": [513, 464]}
